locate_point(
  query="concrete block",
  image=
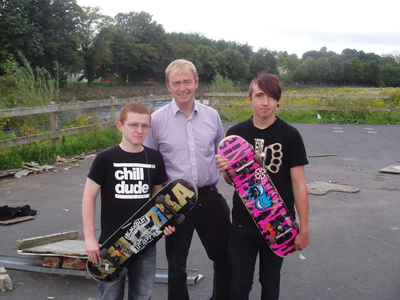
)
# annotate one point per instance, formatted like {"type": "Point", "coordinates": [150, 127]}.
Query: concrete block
{"type": "Point", "coordinates": [5, 283]}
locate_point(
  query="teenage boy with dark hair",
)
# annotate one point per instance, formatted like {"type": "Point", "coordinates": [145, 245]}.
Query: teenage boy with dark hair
{"type": "Point", "coordinates": [283, 155]}
{"type": "Point", "coordinates": [126, 175]}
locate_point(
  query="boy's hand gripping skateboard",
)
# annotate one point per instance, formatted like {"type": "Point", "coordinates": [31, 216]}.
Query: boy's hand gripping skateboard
{"type": "Point", "coordinates": [259, 195]}
{"type": "Point", "coordinates": [168, 207]}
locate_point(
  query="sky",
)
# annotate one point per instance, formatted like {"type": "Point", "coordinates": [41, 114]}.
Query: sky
{"type": "Point", "coordinates": [292, 25]}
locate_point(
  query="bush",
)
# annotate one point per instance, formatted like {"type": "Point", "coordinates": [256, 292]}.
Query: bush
{"type": "Point", "coordinates": [222, 84]}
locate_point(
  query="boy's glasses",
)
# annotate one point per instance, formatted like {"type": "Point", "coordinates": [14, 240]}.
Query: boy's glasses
{"type": "Point", "coordinates": [135, 126]}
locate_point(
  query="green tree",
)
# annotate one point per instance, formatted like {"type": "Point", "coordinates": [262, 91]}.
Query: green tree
{"type": "Point", "coordinates": [312, 69]}
{"type": "Point", "coordinates": [208, 62]}
{"type": "Point", "coordinates": [257, 63]}
{"type": "Point", "coordinates": [221, 45]}
{"type": "Point", "coordinates": [348, 74]}
{"type": "Point", "coordinates": [376, 73]}
{"type": "Point", "coordinates": [91, 22]}
{"type": "Point", "coordinates": [245, 49]}
{"type": "Point", "coordinates": [263, 60]}
{"type": "Point", "coordinates": [151, 40]}
{"type": "Point", "coordinates": [391, 76]}
{"type": "Point", "coordinates": [337, 69]}
{"type": "Point", "coordinates": [324, 70]}
{"type": "Point", "coordinates": [232, 64]}
{"type": "Point", "coordinates": [126, 55]}
{"type": "Point", "coordinates": [348, 54]}
{"type": "Point", "coordinates": [357, 70]}
{"type": "Point", "coordinates": [393, 54]}
{"type": "Point", "coordinates": [44, 31]}
{"type": "Point", "coordinates": [16, 31]}
{"type": "Point", "coordinates": [292, 62]}
{"type": "Point", "coordinates": [301, 74]}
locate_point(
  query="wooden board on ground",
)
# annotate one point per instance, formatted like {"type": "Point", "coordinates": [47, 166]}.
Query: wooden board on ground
{"type": "Point", "coordinates": [44, 240]}
{"type": "Point", "coordinates": [391, 169]}
{"type": "Point", "coordinates": [321, 188]}
{"type": "Point", "coordinates": [16, 220]}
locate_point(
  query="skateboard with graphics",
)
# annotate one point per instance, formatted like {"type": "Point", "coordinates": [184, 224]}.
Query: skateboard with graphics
{"type": "Point", "coordinates": [259, 195]}
{"type": "Point", "coordinates": [168, 207]}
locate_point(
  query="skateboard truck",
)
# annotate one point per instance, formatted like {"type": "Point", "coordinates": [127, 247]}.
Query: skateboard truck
{"type": "Point", "coordinates": [114, 261]}
{"type": "Point", "coordinates": [244, 166]}
{"type": "Point", "coordinates": [281, 230]}
{"type": "Point", "coordinates": [169, 210]}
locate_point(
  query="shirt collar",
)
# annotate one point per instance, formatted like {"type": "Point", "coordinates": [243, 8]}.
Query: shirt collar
{"type": "Point", "coordinates": [176, 109]}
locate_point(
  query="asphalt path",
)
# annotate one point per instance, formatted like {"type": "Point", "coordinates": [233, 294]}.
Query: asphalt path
{"type": "Point", "coordinates": [354, 248]}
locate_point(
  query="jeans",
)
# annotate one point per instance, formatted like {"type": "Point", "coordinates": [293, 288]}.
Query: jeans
{"type": "Point", "coordinates": [141, 276]}
{"type": "Point", "coordinates": [211, 219]}
{"type": "Point", "coordinates": [245, 243]}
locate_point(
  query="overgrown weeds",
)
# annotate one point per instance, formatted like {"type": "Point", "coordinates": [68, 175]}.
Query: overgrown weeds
{"type": "Point", "coordinates": [46, 153]}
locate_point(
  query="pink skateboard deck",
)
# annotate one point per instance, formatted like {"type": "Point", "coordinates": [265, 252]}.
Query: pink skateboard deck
{"type": "Point", "coordinates": [259, 195]}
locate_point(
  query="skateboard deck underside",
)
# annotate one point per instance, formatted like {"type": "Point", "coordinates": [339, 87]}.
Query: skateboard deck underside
{"type": "Point", "coordinates": [143, 229]}
{"type": "Point", "coordinates": [259, 195]}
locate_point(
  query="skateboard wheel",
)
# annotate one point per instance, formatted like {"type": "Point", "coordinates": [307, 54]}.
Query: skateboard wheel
{"type": "Point", "coordinates": [180, 219]}
{"type": "Point", "coordinates": [271, 240]}
{"type": "Point", "coordinates": [123, 272]}
{"type": "Point", "coordinates": [257, 158]}
{"type": "Point", "coordinates": [103, 253]}
{"type": "Point", "coordinates": [296, 226]}
{"type": "Point", "coordinates": [160, 199]}
{"type": "Point", "coordinates": [232, 173]}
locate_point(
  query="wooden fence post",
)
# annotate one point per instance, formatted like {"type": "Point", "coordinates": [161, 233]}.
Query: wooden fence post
{"type": "Point", "coordinates": [54, 128]}
{"type": "Point", "coordinates": [113, 115]}
{"type": "Point", "coordinates": [151, 106]}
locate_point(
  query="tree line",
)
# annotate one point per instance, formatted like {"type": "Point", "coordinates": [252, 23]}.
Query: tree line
{"type": "Point", "coordinates": [132, 47]}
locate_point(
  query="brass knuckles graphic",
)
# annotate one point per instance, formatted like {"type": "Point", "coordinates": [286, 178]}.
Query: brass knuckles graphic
{"type": "Point", "coordinates": [276, 157]}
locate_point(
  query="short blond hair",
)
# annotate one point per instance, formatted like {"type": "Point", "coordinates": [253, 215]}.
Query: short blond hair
{"type": "Point", "coordinates": [180, 66]}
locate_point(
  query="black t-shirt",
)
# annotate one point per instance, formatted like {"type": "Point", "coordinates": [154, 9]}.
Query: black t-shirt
{"type": "Point", "coordinates": [126, 181]}
{"type": "Point", "coordinates": [283, 148]}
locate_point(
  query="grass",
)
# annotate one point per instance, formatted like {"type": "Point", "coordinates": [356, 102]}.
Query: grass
{"type": "Point", "coordinates": [311, 116]}
{"type": "Point", "coordinates": [345, 114]}
{"type": "Point", "coordinates": [46, 153]}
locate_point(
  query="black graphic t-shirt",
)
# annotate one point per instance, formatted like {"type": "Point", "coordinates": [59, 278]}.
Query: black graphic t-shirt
{"type": "Point", "coordinates": [126, 181]}
{"type": "Point", "coordinates": [281, 148]}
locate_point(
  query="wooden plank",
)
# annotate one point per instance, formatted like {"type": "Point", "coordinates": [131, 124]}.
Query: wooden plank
{"type": "Point", "coordinates": [391, 169]}
{"type": "Point", "coordinates": [42, 240]}
{"type": "Point", "coordinates": [323, 155]}
{"type": "Point", "coordinates": [322, 188]}
{"type": "Point", "coordinates": [17, 220]}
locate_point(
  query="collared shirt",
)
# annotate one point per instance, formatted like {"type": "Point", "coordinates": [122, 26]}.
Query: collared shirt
{"type": "Point", "coordinates": [188, 144]}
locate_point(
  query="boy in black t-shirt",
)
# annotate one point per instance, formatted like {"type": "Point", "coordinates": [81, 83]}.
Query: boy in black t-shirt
{"type": "Point", "coordinates": [283, 154]}
{"type": "Point", "coordinates": [126, 176]}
